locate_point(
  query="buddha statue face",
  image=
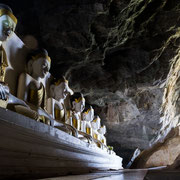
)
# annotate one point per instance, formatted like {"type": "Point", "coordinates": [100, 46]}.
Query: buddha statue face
{"type": "Point", "coordinates": [96, 123]}
{"type": "Point", "coordinates": [7, 22]}
{"type": "Point", "coordinates": [38, 64]}
{"type": "Point", "coordinates": [89, 114]}
{"type": "Point", "coordinates": [79, 104]}
{"type": "Point", "coordinates": [60, 90]}
{"type": "Point", "coordinates": [40, 67]}
{"type": "Point", "coordinates": [102, 130]}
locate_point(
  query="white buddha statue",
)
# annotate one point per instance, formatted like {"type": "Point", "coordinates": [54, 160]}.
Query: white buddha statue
{"type": "Point", "coordinates": [96, 124]}
{"type": "Point", "coordinates": [59, 89]}
{"type": "Point", "coordinates": [7, 26]}
{"type": "Point", "coordinates": [102, 132]}
{"type": "Point", "coordinates": [31, 88]}
{"type": "Point", "coordinates": [78, 105]}
{"type": "Point", "coordinates": [88, 116]}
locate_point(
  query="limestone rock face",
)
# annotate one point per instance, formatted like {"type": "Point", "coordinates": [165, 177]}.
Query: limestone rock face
{"type": "Point", "coordinates": [166, 152]}
{"type": "Point", "coordinates": [176, 164]}
{"type": "Point", "coordinates": [170, 116]}
{"type": "Point", "coordinates": [162, 153]}
{"type": "Point", "coordinates": [118, 53]}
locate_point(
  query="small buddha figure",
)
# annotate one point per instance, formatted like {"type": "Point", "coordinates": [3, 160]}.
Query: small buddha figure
{"type": "Point", "coordinates": [88, 116]}
{"type": "Point", "coordinates": [59, 89]}
{"type": "Point", "coordinates": [7, 26]}
{"type": "Point", "coordinates": [96, 124]}
{"type": "Point", "coordinates": [78, 105]}
{"type": "Point", "coordinates": [102, 132]}
{"type": "Point", "coordinates": [30, 86]}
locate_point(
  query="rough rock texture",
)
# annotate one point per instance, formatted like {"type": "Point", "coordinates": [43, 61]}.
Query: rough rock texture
{"type": "Point", "coordinates": [162, 153]}
{"type": "Point", "coordinates": [118, 54]}
{"type": "Point", "coordinates": [165, 153]}
{"type": "Point", "coordinates": [170, 116]}
{"type": "Point", "coordinates": [176, 164]}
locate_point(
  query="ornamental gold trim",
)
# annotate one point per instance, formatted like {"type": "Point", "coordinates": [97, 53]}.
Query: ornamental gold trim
{"type": "Point", "coordinates": [9, 13]}
{"type": "Point", "coordinates": [57, 83]}
{"type": "Point", "coordinates": [41, 56]}
{"type": "Point", "coordinates": [78, 100]}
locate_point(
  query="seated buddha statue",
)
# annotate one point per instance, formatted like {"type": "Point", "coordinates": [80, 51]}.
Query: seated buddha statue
{"type": "Point", "coordinates": [78, 105]}
{"type": "Point", "coordinates": [96, 124]}
{"type": "Point", "coordinates": [31, 88]}
{"type": "Point", "coordinates": [7, 26]}
{"type": "Point", "coordinates": [88, 116]}
{"type": "Point", "coordinates": [102, 132]}
{"type": "Point", "coordinates": [59, 89]}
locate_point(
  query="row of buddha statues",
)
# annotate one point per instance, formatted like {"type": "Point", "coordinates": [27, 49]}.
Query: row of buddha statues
{"type": "Point", "coordinates": [45, 102]}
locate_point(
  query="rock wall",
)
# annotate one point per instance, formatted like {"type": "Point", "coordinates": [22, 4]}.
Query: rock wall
{"type": "Point", "coordinates": [163, 153]}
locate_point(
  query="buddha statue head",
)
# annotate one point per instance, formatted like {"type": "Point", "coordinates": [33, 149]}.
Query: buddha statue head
{"type": "Point", "coordinates": [38, 63]}
{"type": "Point", "coordinates": [88, 114]}
{"type": "Point", "coordinates": [102, 130]}
{"type": "Point", "coordinates": [78, 102]}
{"type": "Point", "coordinates": [7, 22]}
{"type": "Point", "coordinates": [59, 89]}
{"type": "Point", "coordinates": [96, 123]}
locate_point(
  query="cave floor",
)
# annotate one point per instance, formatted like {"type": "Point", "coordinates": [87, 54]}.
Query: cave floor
{"type": "Point", "coordinates": [126, 174]}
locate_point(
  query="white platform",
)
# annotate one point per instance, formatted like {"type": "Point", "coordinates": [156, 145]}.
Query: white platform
{"type": "Point", "coordinates": [33, 149]}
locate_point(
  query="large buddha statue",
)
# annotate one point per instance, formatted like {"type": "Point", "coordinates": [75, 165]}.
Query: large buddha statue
{"type": "Point", "coordinates": [31, 88]}
{"type": "Point", "coordinates": [7, 26]}
{"type": "Point", "coordinates": [78, 105]}
{"type": "Point", "coordinates": [88, 116]}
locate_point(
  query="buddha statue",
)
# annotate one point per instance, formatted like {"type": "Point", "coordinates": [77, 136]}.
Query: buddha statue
{"type": "Point", "coordinates": [88, 116]}
{"type": "Point", "coordinates": [59, 89]}
{"type": "Point", "coordinates": [78, 105]}
{"type": "Point", "coordinates": [102, 132]}
{"type": "Point", "coordinates": [7, 26]}
{"type": "Point", "coordinates": [96, 124]}
{"type": "Point", "coordinates": [31, 88]}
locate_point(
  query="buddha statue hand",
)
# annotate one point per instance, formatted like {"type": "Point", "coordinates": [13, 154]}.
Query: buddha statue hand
{"type": "Point", "coordinates": [4, 91]}
{"type": "Point", "coordinates": [6, 95]}
{"type": "Point", "coordinates": [16, 101]}
{"type": "Point", "coordinates": [47, 116]}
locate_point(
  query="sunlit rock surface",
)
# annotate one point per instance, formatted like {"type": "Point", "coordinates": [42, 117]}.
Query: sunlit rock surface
{"type": "Point", "coordinates": [162, 153]}
{"type": "Point", "coordinates": [118, 53]}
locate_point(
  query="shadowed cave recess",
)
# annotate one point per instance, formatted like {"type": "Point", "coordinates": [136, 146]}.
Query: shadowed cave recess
{"type": "Point", "coordinates": [118, 53]}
